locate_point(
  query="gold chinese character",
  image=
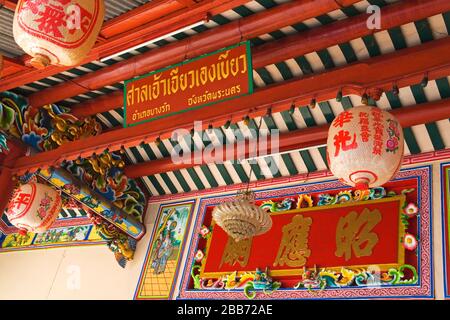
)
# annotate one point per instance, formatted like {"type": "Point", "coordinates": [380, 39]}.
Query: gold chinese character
{"type": "Point", "coordinates": [353, 233]}
{"type": "Point", "coordinates": [236, 252]}
{"type": "Point", "coordinates": [294, 250]}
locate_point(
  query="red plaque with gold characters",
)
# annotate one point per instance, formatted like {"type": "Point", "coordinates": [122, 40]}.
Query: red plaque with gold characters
{"type": "Point", "coordinates": [193, 84]}
{"type": "Point", "coordinates": [347, 235]}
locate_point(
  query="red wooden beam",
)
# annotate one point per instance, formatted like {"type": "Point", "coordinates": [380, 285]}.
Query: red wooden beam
{"type": "Point", "coordinates": [11, 66]}
{"type": "Point", "coordinates": [120, 37]}
{"type": "Point", "coordinates": [15, 62]}
{"type": "Point", "coordinates": [208, 41]}
{"type": "Point", "coordinates": [7, 184]}
{"type": "Point", "coordinates": [316, 39]}
{"type": "Point", "coordinates": [304, 138]}
{"type": "Point", "coordinates": [302, 177]}
{"type": "Point", "coordinates": [298, 45]}
{"type": "Point", "coordinates": [9, 4]}
{"type": "Point", "coordinates": [293, 46]}
{"type": "Point", "coordinates": [187, 3]}
{"type": "Point", "coordinates": [139, 16]}
{"type": "Point", "coordinates": [405, 67]}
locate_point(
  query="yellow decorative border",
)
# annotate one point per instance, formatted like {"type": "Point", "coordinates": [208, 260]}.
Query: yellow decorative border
{"type": "Point", "coordinates": [147, 262]}
{"type": "Point", "coordinates": [296, 272]}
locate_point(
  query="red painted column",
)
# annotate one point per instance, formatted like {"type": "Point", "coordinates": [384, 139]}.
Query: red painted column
{"type": "Point", "coordinates": [7, 186]}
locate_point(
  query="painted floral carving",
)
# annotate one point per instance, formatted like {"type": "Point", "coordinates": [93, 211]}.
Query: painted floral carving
{"type": "Point", "coordinates": [103, 174]}
{"type": "Point", "coordinates": [121, 245]}
{"type": "Point", "coordinates": [411, 210]}
{"type": "Point", "coordinates": [199, 256]}
{"type": "Point", "coordinates": [392, 143]}
{"type": "Point", "coordinates": [45, 129]}
{"type": "Point", "coordinates": [205, 232]}
{"type": "Point", "coordinates": [44, 206]}
{"type": "Point", "coordinates": [410, 242]}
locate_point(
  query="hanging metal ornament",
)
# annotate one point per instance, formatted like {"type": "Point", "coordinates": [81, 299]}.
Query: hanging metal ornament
{"type": "Point", "coordinates": [241, 218]}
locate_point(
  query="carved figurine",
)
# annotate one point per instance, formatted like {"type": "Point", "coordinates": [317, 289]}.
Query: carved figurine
{"type": "Point", "coordinates": [263, 282]}
{"type": "Point", "coordinates": [273, 206]}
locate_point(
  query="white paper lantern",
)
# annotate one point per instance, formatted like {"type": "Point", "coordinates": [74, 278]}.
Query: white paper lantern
{"type": "Point", "coordinates": [365, 147]}
{"type": "Point", "coordinates": [34, 207]}
{"type": "Point", "coordinates": [58, 32]}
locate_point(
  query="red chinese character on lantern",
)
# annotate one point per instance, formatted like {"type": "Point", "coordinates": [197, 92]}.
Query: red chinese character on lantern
{"type": "Point", "coordinates": [377, 115]}
{"type": "Point", "coordinates": [364, 122]}
{"type": "Point", "coordinates": [379, 128]}
{"type": "Point", "coordinates": [21, 199]}
{"type": "Point", "coordinates": [377, 146]}
{"type": "Point", "coordinates": [365, 135]}
{"type": "Point", "coordinates": [59, 14]}
{"type": "Point", "coordinates": [344, 117]}
{"type": "Point", "coordinates": [341, 142]}
{"type": "Point", "coordinates": [51, 20]}
{"type": "Point", "coordinates": [34, 5]}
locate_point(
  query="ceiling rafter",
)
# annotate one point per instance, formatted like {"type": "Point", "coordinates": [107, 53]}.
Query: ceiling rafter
{"type": "Point", "coordinates": [405, 67]}
{"type": "Point", "coordinates": [9, 4]}
{"type": "Point", "coordinates": [205, 42]}
{"type": "Point", "coordinates": [293, 140]}
{"type": "Point", "coordinates": [290, 46]}
{"type": "Point", "coordinates": [394, 15]}
{"type": "Point", "coordinates": [122, 37]}
{"type": "Point", "coordinates": [13, 65]}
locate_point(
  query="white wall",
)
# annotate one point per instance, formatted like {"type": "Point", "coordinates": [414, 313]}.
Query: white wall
{"type": "Point", "coordinates": [50, 273]}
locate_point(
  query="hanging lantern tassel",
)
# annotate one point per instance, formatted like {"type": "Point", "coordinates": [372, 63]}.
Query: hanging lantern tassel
{"type": "Point", "coordinates": [292, 109]}
{"type": "Point", "coordinates": [339, 96]}
{"type": "Point", "coordinates": [395, 90]}
{"type": "Point", "coordinates": [365, 147]}
{"type": "Point", "coordinates": [424, 82]}
{"type": "Point", "coordinates": [365, 99]}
